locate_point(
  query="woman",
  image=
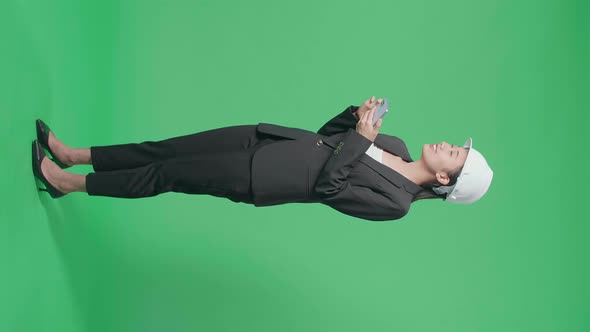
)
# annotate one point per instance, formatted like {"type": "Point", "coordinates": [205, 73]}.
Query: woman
{"type": "Point", "coordinates": [346, 165]}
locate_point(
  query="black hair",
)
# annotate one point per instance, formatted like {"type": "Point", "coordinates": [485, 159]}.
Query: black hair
{"type": "Point", "coordinates": [428, 193]}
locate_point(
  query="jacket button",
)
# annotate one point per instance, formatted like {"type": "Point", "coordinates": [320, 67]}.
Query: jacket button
{"type": "Point", "coordinates": [319, 142]}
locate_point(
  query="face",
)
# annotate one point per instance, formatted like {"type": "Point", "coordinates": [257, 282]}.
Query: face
{"type": "Point", "coordinates": [443, 159]}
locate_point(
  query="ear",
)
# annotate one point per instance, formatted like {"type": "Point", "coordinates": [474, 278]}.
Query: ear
{"type": "Point", "coordinates": [442, 178]}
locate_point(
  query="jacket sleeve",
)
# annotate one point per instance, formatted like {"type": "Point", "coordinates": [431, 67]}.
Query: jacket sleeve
{"type": "Point", "coordinates": [340, 123]}
{"type": "Point", "coordinates": [358, 201]}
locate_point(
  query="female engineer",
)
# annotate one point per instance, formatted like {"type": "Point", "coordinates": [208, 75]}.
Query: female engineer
{"type": "Point", "coordinates": [347, 165]}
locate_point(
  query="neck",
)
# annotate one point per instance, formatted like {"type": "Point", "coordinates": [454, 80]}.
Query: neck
{"type": "Point", "coordinates": [417, 172]}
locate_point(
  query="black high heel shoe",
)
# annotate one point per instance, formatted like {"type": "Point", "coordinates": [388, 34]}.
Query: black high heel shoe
{"type": "Point", "coordinates": [43, 138]}
{"type": "Point", "coordinates": [38, 156]}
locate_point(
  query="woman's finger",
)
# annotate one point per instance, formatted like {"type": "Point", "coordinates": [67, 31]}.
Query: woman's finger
{"type": "Point", "coordinates": [375, 102]}
{"type": "Point", "coordinates": [370, 117]}
{"type": "Point", "coordinates": [366, 115]}
{"type": "Point", "coordinates": [363, 118]}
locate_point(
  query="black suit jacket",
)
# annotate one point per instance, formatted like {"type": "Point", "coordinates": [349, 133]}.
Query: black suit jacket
{"type": "Point", "coordinates": [331, 167]}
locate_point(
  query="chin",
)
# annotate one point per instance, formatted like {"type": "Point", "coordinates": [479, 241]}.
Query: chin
{"type": "Point", "coordinates": [425, 149]}
{"type": "Point", "coordinates": [427, 153]}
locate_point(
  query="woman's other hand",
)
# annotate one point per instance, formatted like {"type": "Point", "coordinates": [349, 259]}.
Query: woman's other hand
{"type": "Point", "coordinates": [367, 106]}
{"type": "Point", "coordinates": [365, 125]}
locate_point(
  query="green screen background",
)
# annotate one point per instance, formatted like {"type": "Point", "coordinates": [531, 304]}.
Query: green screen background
{"type": "Point", "coordinates": [514, 75]}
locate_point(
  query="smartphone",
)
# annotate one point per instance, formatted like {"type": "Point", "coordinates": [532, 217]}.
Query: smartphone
{"type": "Point", "coordinates": [381, 110]}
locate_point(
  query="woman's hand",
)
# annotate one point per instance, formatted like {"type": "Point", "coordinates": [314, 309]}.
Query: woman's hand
{"type": "Point", "coordinates": [365, 125]}
{"type": "Point", "coordinates": [367, 106]}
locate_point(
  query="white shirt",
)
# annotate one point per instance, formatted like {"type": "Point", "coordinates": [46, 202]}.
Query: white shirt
{"type": "Point", "coordinates": [375, 152]}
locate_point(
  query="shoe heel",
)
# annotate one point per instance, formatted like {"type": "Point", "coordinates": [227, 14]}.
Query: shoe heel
{"type": "Point", "coordinates": [38, 156]}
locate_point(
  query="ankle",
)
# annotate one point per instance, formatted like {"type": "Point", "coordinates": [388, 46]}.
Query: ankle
{"type": "Point", "coordinates": [79, 156]}
{"type": "Point", "coordinates": [65, 183]}
{"type": "Point", "coordinates": [68, 156]}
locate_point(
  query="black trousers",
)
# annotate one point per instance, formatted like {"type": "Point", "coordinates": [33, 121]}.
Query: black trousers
{"type": "Point", "coordinates": [215, 162]}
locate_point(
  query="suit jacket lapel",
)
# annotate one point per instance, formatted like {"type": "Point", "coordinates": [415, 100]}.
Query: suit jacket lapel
{"type": "Point", "coordinates": [390, 175]}
{"type": "Point", "coordinates": [394, 145]}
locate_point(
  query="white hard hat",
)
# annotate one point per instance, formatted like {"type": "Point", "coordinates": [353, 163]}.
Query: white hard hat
{"type": "Point", "coordinates": [473, 181]}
